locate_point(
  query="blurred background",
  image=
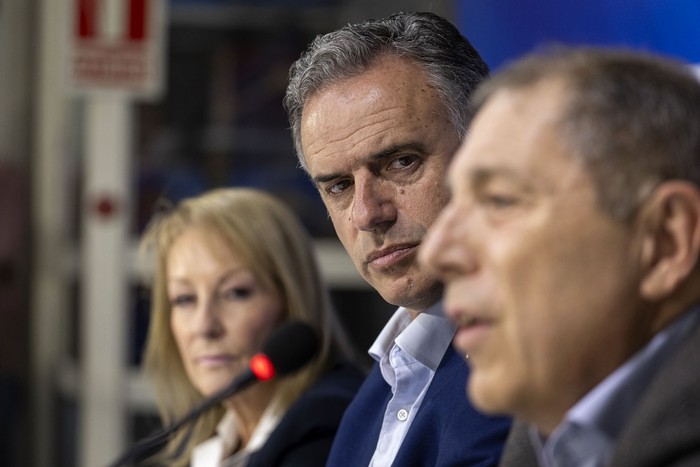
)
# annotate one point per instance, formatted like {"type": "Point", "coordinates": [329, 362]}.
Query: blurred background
{"type": "Point", "coordinates": [110, 108]}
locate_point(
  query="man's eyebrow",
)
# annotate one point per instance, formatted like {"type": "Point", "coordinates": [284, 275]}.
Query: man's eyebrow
{"type": "Point", "coordinates": [415, 146]}
{"type": "Point", "coordinates": [374, 158]}
{"type": "Point", "coordinates": [481, 175]}
{"type": "Point", "coordinates": [324, 178]}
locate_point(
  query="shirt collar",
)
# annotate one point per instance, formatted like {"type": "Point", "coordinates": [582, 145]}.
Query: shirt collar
{"type": "Point", "coordinates": [215, 449]}
{"type": "Point", "coordinates": [600, 415]}
{"type": "Point", "coordinates": [425, 338]}
{"type": "Point", "coordinates": [611, 402]}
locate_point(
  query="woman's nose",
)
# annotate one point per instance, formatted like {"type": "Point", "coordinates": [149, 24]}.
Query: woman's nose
{"type": "Point", "coordinates": [208, 320]}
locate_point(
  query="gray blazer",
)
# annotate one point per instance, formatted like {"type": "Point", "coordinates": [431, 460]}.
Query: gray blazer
{"type": "Point", "coordinates": [664, 429]}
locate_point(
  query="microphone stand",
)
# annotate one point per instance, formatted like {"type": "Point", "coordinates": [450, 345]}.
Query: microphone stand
{"type": "Point", "coordinates": [149, 445]}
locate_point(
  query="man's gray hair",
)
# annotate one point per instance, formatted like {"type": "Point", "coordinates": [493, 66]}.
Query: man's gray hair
{"type": "Point", "coordinates": [632, 118]}
{"type": "Point", "coordinates": [451, 63]}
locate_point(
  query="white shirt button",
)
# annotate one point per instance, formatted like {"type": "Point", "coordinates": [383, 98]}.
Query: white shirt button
{"type": "Point", "coordinates": [402, 415]}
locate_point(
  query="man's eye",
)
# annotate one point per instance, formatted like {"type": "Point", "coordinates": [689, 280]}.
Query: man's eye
{"type": "Point", "coordinates": [338, 187]}
{"type": "Point", "coordinates": [402, 162]}
{"type": "Point", "coordinates": [500, 201]}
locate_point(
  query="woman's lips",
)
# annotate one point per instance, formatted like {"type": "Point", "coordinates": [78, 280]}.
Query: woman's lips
{"type": "Point", "coordinates": [213, 361]}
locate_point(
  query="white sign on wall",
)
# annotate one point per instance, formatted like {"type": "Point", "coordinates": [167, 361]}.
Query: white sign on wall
{"type": "Point", "coordinates": [117, 45]}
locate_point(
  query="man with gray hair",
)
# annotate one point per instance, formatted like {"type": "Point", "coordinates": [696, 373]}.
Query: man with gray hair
{"type": "Point", "coordinates": [570, 252]}
{"type": "Point", "coordinates": [377, 109]}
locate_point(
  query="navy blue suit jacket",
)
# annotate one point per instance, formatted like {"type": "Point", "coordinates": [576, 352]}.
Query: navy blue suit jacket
{"type": "Point", "coordinates": [447, 430]}
{"type": "Point", "coordinates": [305, 433]}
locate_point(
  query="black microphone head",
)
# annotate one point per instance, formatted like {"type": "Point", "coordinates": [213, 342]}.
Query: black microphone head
{"type": "Point", "coordinates": [291, 346]}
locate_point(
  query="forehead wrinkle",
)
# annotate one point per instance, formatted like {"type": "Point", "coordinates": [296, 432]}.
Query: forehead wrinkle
{"type": "Point", "coordinates": [374, 157]}
{"type": "Point", "coordinates": [370, 129]}
{"type": "Point", "coordinates": [366, 122]}
{"type": "Point", "coordinates": [372, 118]}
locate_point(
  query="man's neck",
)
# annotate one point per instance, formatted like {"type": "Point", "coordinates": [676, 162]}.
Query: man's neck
{"type": "Point", "coordinates": [413, 313]}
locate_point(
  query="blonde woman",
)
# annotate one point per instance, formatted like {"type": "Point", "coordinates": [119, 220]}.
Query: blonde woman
{"type": "Point", "coordinates": [229, 267]}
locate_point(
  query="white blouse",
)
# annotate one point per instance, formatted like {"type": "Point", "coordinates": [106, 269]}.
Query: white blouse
{"type": "Point", "coordinates": [212, 452]}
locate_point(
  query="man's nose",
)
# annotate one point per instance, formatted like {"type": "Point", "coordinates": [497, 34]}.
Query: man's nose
{"type": "Point", "coordinates": [373, 204]}
{"type": "Point", "coordinates": [446, 248]}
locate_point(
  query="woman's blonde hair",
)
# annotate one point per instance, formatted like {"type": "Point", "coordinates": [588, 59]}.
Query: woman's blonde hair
{"type": "Point", "coordinates": [270, 240]}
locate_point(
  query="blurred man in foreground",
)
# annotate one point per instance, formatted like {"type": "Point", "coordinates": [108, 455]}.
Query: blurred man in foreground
{"type": "Point", "coordinates": [570, 253]}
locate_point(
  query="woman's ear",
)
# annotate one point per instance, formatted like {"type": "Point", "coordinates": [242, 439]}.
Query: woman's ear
{"type": "Point", "coordinates": [670, 223]}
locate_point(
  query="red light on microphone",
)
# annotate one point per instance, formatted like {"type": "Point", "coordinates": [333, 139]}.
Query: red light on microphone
{"type": "Point", "coordinates": [262, 367]}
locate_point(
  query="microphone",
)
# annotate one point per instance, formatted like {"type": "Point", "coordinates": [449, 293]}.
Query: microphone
{"type": "Point", "coordinates": [291, 346]}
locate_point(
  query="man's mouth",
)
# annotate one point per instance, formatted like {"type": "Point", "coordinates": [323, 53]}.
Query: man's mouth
{"type": "Point", "coordinates": [388, 257]}
{"type": "Point", "coordinates": [471, 332]}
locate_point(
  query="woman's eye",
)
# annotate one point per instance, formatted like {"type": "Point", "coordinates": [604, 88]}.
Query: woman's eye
{"type": "Point", "coordinates": [237, 293]}
{"type": "Point", "coordinates": [182, 300]}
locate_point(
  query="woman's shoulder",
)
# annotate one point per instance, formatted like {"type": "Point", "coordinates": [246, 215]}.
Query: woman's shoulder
{"type": "Point", "coordinates": [340, 382]}
{"type": "Point", "coordinates": [306, 431]}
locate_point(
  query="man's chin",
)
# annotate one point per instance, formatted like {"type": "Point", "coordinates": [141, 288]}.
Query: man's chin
{"type": "Point", "coordinates": [409, 296]}
{"type": "Point", "coordinates": [487, 396]}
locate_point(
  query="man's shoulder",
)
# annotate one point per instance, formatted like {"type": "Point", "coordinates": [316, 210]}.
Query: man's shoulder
{"type": "Point", "coordinates": [666, 424]}
{"type": "Point", "coordinates": [447, 408]}
{"type": "Point", "coordinates": [448, 429]}
{"type": "Point", "coordinates": [451, 374]}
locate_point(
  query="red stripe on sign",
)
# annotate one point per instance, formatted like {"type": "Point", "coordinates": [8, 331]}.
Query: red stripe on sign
{"type": "Point", "coordinates": [87, 18]}
{"type": "Point", "coordinates": [137, 19]}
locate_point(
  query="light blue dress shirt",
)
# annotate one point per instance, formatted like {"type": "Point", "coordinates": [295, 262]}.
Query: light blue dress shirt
{"type": "Point", "coordinates": [586, 437]}
{"type": "Point", "coordinates": [408, 352]}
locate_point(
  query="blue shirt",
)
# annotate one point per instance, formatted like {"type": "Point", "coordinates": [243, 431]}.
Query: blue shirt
{"type": "Point", "coordinates": [587, 435]}
{"type": "Point", "coordinates": [408, 352]}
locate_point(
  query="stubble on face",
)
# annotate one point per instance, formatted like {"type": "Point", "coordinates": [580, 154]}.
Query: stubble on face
{"type": "Point", "coordinates": [381, 138]}
{"type": "Point", "coordinates": [544, 279]}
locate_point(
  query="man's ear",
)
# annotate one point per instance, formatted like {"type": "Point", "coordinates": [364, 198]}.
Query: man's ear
{"type": "Point", "coordinates": [670, 223]}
